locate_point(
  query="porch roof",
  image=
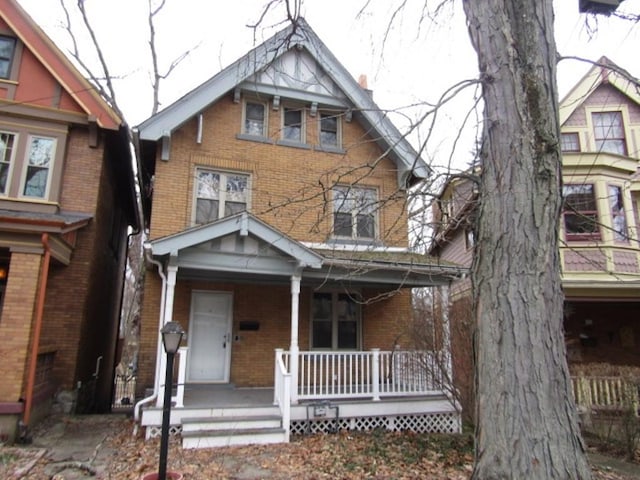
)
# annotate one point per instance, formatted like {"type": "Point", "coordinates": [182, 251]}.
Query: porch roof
{"type": "Point", "coordinates": [243, 248]}
{"type": "Point", "coordinates": [384, 268]}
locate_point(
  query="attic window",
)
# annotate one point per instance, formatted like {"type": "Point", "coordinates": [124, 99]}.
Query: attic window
{"type": "Point", "coordinates": [329, 124]}
{"type": "Point", "coordinates": [7, 50]}
{"type": "Point", "coordinates": [255, 119]}
{"type": "Point", "coordinates": [608, 130]}
{"type": "Point", "coordinates": [292, 125]}
{"type": "Point", "coordinates": [570, 142]}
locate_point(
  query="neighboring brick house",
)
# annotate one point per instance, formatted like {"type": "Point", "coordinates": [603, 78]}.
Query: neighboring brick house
{"type": "Point", "coordinates": [67, 198]}
{"type": "Point", "coordinates": [599, 230]}
{"type": "Point", "coordinates": [278, 219]}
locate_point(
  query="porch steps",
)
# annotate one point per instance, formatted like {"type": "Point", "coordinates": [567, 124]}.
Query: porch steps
{"type": "Point", "coordinates": [212, 431]}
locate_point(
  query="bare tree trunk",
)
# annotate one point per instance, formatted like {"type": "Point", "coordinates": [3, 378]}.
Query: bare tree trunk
{"type": "Point", "coordinates": [526, 421]}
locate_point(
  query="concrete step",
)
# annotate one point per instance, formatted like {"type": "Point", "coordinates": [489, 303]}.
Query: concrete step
{"type": "Point", "coordinates": [195, 424]}
{"type": "Point", "coordinates": [224, 438]}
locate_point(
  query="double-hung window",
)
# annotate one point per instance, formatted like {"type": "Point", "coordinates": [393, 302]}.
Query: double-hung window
{"type": "Point", "coordinates": [335, 321]}
{"type": "Point", "coordinates": [39, 163]}
{"type": "Point", "coordinates": [255, 119]}
{"type": "Point", "coordinates": [220, 194]}
{"type": "Point", "coordinates": [293, 125]}
{"type": "Point", "coordinates": [7, 151]}
{"type": "Point", "coordinates": [608, 132]}
{"type": "Point", "coordinates": [354, 212]}
{"type": "Point", "coordinates": [329, 130]}
{"type": "Point", "coordinates": [617, 213]}
{"type": "Point", "coordinates": [580, 212]}
{"type": "Point", "coordinates": [7, 51]}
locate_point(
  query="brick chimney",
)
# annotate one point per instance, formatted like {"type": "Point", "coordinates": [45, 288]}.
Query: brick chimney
{"type": "Point", "coordinates": [362, 81]}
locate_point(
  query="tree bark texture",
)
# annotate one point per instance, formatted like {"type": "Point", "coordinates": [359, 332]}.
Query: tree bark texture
{"type": "Point", "coordinates": [526, 421]}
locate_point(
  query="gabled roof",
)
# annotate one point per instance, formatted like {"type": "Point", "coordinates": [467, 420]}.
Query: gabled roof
{"type": "Point", "coordinates": [596, 76]}
{"type": "Point", "coordinates": [58, 65]}
{"type": "Point", "coordinates": [243, 224]}
{"type": "Point", "coordinates": [300, 36]}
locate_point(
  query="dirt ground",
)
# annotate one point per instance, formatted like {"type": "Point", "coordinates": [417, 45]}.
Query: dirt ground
{"type": "Point", "coordinates": [104, 447]}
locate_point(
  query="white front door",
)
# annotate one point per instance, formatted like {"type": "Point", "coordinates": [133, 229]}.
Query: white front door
{"type": "Point", "coordinates": [209, 337]}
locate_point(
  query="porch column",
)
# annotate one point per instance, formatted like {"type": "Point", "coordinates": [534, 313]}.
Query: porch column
{"type": "Point", "coordinates": [294, 349]}
{"type": "Point", "coordinates": [172, 271]}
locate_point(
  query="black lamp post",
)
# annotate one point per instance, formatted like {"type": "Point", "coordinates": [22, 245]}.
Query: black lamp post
{"type": "Point", "coordinates": [172, 333]}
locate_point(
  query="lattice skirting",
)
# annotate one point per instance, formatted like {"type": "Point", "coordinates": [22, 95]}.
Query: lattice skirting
{"type": "Point", "coordinates": [420, 423]}
{"type": "Point", "coordinates": [153, 431]}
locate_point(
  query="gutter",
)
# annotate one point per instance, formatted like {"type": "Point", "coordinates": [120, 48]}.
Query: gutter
{"type": "Point", "coordinates": [156, 382]}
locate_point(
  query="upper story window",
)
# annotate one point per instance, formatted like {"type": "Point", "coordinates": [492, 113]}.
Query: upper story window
{"type": "Point", "coordinates": [354, 212]}
{"type": "Point", "coordinates": [40, 156]}
{"type": "Point", "coordinates": [618, 219]}
{"type": "Point", "coordinates": [336, 321]}
{"type": "Point", "coordinates": [580, 213]}
{"type": "Point", "coordinates": [570, 142]}
{"type": "Point", "coordinates": [7, 50]}
{"type": "Point", "coordinates": [293, 125]}
{"type": "Point", "coordinates": [608, 132]}
{"type": "Point", "coordinates": [255, 119]}
{"type": "Point", "coordinates": [7, 141]}
{"type": "Point", "coordinates": [220, 194]}
{"type": "Point", "coordinates": [329, 130]}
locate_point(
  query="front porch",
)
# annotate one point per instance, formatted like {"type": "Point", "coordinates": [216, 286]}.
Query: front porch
{"type": "Point", "coordinates": [393, 390]}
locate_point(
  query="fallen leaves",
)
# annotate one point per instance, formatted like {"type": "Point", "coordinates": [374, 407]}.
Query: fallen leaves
{"type": "Point", "coordinates": [345, 455]}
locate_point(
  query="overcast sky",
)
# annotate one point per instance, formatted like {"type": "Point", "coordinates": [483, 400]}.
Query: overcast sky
{"type": "Point", "coordinates": [414, 64]}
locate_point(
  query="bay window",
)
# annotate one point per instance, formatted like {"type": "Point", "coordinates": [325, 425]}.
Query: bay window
{"type": "Point", "coordinates": [580, 213]}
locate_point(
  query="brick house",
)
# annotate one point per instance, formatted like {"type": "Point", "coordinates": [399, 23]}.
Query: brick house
{"type": "Point", "coordinates": [66, 200]}
{"type": "Point", "coordinates": [599, 229]}
{"type": "Point", "coordinates": [279, 240]}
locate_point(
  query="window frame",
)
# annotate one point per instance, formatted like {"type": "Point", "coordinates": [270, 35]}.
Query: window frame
{"type": "Point", "coordinates": [587, 213]}
{"type": "Point", "coordinates": [337, 116]}
{"type": "Point", "coordinates": [265, 118]}
{"type": "Point", "coordinates": [576, 136]}
{"type": "Point", "coordinates": [11, 59]}
{"type": "Point", "coordinates": [222, 200]}
{"type": "Point", "coordinates": [335, 297]}
{"type": "Point", "coordinates": [596, 139]}
{"type": "Point", "coordinates": [26, 165]}
{"type": "Point", "coordinates": [354, 213]}
{"type": "Point", "coordinates": [11, 162]}
{"type": "Point", "coordinates": [283, 124]}
{"type": "Point", "coordinates": [619, 236]}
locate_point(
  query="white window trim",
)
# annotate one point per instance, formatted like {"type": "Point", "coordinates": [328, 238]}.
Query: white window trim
{"type": "Point", "coordinates": [25, 167]}
{"type": "Point", "coordinates": [265, 125]}
{"type": "Point", "coordinates": [354, 224]}
{"type": "Point", "coordinates": [12, 162]}
{"type": "Point", "coordinates": [222, 200]}
{"type": "Point", "coordinates": [334, 322]}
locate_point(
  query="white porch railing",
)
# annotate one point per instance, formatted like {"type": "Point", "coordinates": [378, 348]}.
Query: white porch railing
{"type": "Point", "coordinates": [282, 391]}
{"type": "Point", "coordinates": [372, 374]}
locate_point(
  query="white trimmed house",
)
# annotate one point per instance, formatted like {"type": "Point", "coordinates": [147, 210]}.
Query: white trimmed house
{"type": "Point", "coordinates": [278, 228]}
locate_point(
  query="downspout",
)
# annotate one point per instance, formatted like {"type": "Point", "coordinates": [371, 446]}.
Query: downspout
{"type": "Point", "coordinates": [35, 344]}
{"type": "Point", "coordinates": [156, 381]}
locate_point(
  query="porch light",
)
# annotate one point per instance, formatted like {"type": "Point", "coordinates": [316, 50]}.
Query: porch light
{"type": "Point", "coordinates": [172, 333]}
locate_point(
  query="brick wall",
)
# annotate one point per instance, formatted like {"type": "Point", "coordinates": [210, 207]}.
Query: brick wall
{"type": "Point", "coordinates": [15, 328]}
{"type": "Point", "coordinates": [289, 185]}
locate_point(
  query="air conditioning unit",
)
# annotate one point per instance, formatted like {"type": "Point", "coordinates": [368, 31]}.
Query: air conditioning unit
{"type": "Point", "coordinates": [601, 7]}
